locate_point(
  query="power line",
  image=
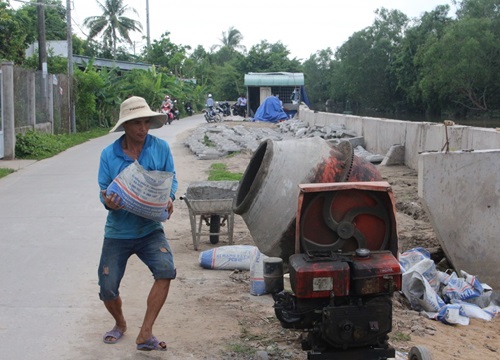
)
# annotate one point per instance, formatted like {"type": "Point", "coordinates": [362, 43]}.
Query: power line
{"type": "Point", "coordinates": [78, 26]}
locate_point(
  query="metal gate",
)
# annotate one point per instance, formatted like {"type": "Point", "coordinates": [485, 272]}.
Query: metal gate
{"type": "Point", "coordinates": [1, 117]}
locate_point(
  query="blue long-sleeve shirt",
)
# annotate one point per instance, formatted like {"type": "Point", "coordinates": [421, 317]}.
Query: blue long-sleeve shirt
{"type": "Point", "coordinates": [155, 155]}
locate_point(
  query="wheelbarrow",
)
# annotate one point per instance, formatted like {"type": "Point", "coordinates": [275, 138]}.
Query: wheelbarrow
{"type": "Point", "coordinates": [211, 202]}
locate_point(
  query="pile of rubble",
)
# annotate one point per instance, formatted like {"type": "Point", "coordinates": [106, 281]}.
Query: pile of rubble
{"type": "Point", "coordinates": [213, 141]}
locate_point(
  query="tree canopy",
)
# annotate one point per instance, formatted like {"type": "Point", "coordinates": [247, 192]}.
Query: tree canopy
{"type": "Point", "coordinates": [440, 64]}
{"type": "Point", "coordinates": [112, 24]}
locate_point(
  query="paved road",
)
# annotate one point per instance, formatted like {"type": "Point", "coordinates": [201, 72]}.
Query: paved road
{"type": "Point", "coordinates": [51, 226]}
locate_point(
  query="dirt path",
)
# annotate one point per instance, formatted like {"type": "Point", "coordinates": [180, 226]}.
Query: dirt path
{"type": "Point", "coordinates": [210, 314]}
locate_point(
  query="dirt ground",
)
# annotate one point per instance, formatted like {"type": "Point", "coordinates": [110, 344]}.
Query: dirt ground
{"type": "Point", "coordinates": [210, 314]}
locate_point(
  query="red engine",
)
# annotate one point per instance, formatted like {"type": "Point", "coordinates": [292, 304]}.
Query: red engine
{"type": "Point", "coordinates": [344, 271]}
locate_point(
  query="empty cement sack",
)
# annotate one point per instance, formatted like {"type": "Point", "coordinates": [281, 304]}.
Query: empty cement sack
{"type": "Point", "coordinates": [142, 192]}
{"type": "Point", "coordinates": [231, 257]}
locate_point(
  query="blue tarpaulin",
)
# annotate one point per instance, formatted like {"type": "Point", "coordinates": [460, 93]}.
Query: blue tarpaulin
{"type": "Point", "coordinates": [270, 110]}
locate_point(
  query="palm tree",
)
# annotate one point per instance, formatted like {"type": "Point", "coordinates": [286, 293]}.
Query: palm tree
{"type": "Point", "coordinates": [112, 24]}
{"type": "Point", "coordinates": [232, 39]}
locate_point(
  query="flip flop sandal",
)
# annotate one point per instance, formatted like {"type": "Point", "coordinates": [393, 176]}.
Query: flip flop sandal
{"type": "Point", "coordinates": [115, 334]}
{"type": "Point", "coordinates": [152, 344]}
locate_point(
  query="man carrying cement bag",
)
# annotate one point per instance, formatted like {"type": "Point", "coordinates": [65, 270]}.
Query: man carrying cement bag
{"type": "Point", "coordinates": [127, 233]}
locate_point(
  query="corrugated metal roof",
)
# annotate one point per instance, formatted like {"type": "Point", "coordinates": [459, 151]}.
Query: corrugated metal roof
{"type": "Point", "coordinates": [274, 79]}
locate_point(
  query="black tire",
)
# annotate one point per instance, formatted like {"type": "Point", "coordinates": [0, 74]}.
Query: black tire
{"type": "Point", "coordinates": [214, 228]}
{"type": "Point", "coordinates": [419, 353]}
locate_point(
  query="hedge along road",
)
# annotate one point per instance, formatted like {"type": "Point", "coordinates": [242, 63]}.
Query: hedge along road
{"type": "Point", "coordinates": [51, 228]}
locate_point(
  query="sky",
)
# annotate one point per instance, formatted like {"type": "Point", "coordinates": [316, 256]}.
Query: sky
{"type": "Point", "coordinates": [303, 27]}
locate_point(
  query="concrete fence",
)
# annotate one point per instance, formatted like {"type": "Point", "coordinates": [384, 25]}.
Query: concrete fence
{"type": "Point", "coordinates": [31, 101]}
{"type": "Point", "coordinates": [417, 137]}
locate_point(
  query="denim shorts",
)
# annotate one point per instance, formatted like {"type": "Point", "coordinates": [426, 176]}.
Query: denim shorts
{"type": "Point", "coordinates": [152, 249]}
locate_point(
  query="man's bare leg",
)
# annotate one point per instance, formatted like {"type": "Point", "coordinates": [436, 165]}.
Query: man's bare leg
{"type": "Point", "coordinates": [156, 299]}
{"type": "Point", "coordinates": [115, 309]}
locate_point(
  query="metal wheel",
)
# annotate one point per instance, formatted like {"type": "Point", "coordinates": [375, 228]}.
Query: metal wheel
{"type": "Point", "coordinates": [419, 353]}
{"type": "Point", "coordinates": [214, 228]}
{"type": "Point", "coordinates": [218, 118]}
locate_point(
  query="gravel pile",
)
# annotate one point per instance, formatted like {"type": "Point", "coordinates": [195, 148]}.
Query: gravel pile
{"type": "Point", "coordinates": [213, 141]}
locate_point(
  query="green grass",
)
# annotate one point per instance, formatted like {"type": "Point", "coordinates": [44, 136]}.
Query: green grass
{"type": "Point", "coordinates": [37, 146]}
{"type": "Point", "coordinates": [218, 172]}
{"type": "Point", "coordinates": [5, 172]}
{"type": "Point", "coordinates": [208, 142]}
{"type": "Point", "coordinates": [241, 349]}
{"type": "Point", "coordinates": [399, 336]}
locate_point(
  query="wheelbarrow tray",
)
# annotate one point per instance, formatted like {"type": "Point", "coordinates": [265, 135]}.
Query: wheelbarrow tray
{"type": "Point", "coordinates": [215, 206]}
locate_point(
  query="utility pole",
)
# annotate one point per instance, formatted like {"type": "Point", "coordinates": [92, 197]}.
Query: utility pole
{"type": "Point", "coordinates": [147, 25]}
{"type": "Point", "coordinates": [70, 68]}
{"type": "Point", "coordinates": [42, 59]}
{"type": "Point", "coordinates": [42, 44]}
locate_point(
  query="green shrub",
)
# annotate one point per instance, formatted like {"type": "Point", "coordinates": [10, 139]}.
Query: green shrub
{"type": "Point", "coordinates": [37, 146]}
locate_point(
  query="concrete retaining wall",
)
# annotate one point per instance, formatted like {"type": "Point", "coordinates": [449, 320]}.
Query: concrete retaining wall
{"type": "Point", "coordinates": [417, 137]}
{"type": "Point", "coordinates": [459, 188]}
{"type": "Point", "coordinates": [460, 192]}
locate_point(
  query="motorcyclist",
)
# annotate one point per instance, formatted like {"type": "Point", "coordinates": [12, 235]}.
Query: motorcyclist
{"type": "Point", "coordinates": [166, 103]}
{"type": "Point", "coordinates": [175, 111]}
{"type": "Point", "coordinates": [166, 107]}
{"type": "Point", "coordinates": [210, 104]}
{"type": "Point", "coordinates": [188, 107]}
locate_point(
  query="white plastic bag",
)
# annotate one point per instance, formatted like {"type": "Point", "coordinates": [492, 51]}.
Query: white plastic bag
{"type": "Point", "coordinates": [144, 193]}
{"type": "Point", "coordinates": [257, 284]}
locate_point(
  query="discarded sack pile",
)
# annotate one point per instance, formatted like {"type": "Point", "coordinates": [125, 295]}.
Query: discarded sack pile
{"type": "Point", "coordinates": [448, 298]}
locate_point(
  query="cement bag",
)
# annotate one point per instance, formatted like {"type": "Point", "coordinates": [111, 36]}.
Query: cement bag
{"type": "Point", "coordinates": [418, 260]}
{"type": "Point", "coordinates": [257, 284]}
{"type": "Point", "coordinates": [144, 193]}
{"type": "Point", "coordinates": [420, 293]}
{"type": "Point", "coordinates": [452, 314]}
{"type": "Point", "coordinates": [464, 288]}
{"type": "Point", "coordinates": [229, 257]}
{"type": "Point", "coordinates": [473, 311]}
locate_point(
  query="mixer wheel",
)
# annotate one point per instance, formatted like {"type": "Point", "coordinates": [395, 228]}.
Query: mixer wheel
{"type": "Point", "coordinates": [419, 353]}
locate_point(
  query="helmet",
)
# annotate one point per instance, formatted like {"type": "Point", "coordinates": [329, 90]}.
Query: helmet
{"type": "Point", "coordinates": [167, 97]}
{"type": "Point", "coordinates": [209, 95]}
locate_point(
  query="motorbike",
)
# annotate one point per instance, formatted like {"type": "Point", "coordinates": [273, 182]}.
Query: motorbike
{"type": "Point", "coordinates": [175, 111]}
{"type": "Point", "coordinates": [167, 110]}
{"type": "Point", "coordinates": [188, 108]}
{"type": "Point", "coordinates": [238, 110]}
{"type": "Point", "coordinates": [213, 114]}
{"type": "Point", "coordinates": [226, 108]}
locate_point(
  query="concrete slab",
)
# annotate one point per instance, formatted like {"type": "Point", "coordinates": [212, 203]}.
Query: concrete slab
{"type": "Point", "coordinates": [15, 164]}
{"type": "Point", "coordinates": [395, 156]}
{"type": "Point", "coordinates": [461, 193]}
